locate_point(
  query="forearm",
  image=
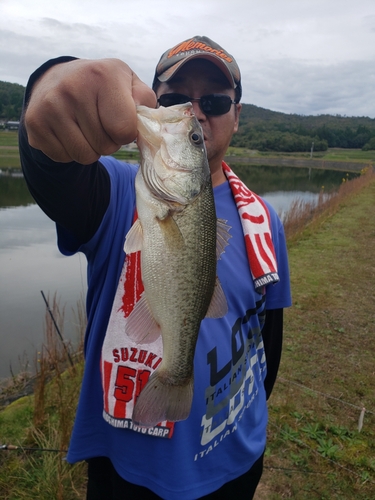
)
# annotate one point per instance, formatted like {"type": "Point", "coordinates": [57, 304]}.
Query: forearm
{"type": "Point", "coordinates": [272, 333]}
{"type": "Point", "coordinates": [75, 196]}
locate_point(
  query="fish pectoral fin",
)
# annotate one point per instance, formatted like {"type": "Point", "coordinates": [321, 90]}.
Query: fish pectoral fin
{"type": "Point", "coordinates": [172, 233]}
{"type": "Point", "coordinates": [141, 325]}
{"type": "Point", "coordinates": [218, 306]}
{"type": "Point", "coordinates": [222, 236]}
{"type": "Point", "coordinates": [134, 238]}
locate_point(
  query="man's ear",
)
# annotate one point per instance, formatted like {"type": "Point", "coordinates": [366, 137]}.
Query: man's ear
{"type": "Point", "coordinates": [238, 108]}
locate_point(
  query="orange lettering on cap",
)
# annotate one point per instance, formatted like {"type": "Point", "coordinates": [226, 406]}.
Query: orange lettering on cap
{"type": "Point", "coordinates": [190, 45]}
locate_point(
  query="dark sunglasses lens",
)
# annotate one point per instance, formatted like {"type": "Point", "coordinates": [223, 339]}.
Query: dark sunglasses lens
{"type": "Point", "coordinates": [216, 104]}
{"type": "Point", "coordinates": [167, 100]}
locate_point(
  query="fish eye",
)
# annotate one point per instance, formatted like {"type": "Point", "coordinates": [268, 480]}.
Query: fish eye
{"type": "Point", "coordinates": [196, 138]}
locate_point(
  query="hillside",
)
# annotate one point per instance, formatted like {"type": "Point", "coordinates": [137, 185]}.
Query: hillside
{"type": "Point", "coordinates": [11, 96]}
{"type": "Point", "coordinates": [260, 128]}
{"type": "Point", "coordinates": [267, 130]}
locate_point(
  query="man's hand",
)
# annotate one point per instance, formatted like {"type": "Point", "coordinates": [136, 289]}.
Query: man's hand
{"type": "Point", "coordinates": [82, 109]}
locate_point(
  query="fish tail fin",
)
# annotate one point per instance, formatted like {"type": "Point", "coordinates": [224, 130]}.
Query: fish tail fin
{"type": "Point", "coordinates": [160, 401]}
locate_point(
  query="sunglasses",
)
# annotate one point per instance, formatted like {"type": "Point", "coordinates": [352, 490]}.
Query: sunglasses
{"type": "Point", "coordinates": [212, 104]}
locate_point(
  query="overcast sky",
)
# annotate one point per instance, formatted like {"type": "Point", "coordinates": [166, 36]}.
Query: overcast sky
{"type": "Point", "coordinates": [296, 56]}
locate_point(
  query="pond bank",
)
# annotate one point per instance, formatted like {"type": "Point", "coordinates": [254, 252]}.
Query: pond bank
{"type": "Point", "coordinates": [277, 161]}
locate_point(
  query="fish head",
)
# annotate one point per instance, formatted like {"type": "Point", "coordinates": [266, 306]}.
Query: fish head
{"type": "Point", "coordinates": [174, 162]}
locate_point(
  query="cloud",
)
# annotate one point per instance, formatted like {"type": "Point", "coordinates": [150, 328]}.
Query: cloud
{"type": "Point", "coordinates": [294, 86]}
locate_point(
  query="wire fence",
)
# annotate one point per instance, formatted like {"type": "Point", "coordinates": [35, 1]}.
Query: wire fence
{"type": "Point", "coordinates": [300, 442]}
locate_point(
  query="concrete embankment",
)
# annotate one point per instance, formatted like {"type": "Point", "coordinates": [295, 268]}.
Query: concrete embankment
{"type": "Point", "coordinates": [345, 166]}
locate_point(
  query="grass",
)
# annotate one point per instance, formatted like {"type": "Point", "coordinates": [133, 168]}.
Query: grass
{"type": "Point", "coordinates": [8, 138]}
{"type": "Point", "coordinates": [9, 157]}
{"type": "Point", "coordinates": [332, 154]}
{"type": "Point", "coordinates": [10, 160]}
{"type": "Point", "coordinates": [126, 155]}
{"type": "Point", "coordinates": [338, 154]}
{"type": "Point", "coordinates": [327, 371]}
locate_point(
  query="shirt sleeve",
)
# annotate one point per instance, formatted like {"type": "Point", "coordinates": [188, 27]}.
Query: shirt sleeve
{"type": "Point", "coordinates": [278, 295]}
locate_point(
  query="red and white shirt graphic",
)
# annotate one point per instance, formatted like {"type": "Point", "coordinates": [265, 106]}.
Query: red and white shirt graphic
{"type": "Point", "coordinates": [125, 365]}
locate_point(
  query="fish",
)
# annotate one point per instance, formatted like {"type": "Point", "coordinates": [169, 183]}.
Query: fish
{"type": "Point", "coordinates": [180, 239]}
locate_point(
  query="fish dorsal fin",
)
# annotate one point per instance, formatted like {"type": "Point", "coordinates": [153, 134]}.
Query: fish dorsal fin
{"type": "Point", "coordinates": [141, 325]}
{"type": "Point", "coordinates": [222, 237]}
{"type": "Point", "coordinates": [134, 238]}
{"type": "Point", "coordinates": [218, 306]}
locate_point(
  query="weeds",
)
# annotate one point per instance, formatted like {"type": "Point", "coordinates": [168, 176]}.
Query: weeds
{"type": "Point", "coordinates": [327, 448]}
{"type": "Point", "coordinates": [314, 431]}
{"type": "Point", "coordinates": [43, 474]}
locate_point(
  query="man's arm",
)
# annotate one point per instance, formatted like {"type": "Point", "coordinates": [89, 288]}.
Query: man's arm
{"type": "Point", "coordinates": [74, 196]}
{"type": "Point", "coordinates": [272, 333]}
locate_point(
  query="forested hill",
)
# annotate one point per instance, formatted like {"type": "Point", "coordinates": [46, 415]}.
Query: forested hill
{"type": "Point", "coordinates": [267, 130]}
{"type": "Point", "coordinates": [260, 128]}
{"type": "Point", "coordinates": [11, 96]}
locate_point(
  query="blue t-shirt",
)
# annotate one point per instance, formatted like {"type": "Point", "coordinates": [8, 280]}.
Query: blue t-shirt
{"type": "Point", "coordinates": [226, 430]}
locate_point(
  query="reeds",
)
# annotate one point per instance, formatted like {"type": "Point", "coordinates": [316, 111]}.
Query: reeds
{"type": "Point", "coordinates": [304, 214]}
{"type": "Point", "coordinates": [44, 473]}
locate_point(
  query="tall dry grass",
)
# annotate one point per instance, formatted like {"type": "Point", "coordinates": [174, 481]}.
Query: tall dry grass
{"type": "Point", "coordinates": [46, 474]}
{"type": "Point", "coordinates": [303, 214]}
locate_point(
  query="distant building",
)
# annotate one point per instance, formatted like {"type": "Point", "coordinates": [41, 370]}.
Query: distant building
{"type": "Point", "coordinates": [12, 125]}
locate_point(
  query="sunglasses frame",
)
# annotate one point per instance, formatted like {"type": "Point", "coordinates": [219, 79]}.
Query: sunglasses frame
{"type": "Point", "coordinates": [185, 98]}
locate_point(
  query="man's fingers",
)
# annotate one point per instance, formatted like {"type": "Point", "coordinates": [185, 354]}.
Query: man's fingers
{"type": "Point", "coordinates": [117, 106]}
{"type": "Point", "coordinates": [71, 147]}
{"type": "Point", "coordinates": [142, 93]}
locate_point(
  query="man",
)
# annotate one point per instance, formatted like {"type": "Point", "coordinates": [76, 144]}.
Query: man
{"type": "Point", "coordinates": [77, 112]}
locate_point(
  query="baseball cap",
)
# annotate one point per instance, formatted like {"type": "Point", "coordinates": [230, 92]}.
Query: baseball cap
{"type": "Point", "coordinates": [200, 47]}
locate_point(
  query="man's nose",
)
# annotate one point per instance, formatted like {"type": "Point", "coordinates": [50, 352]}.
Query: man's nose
{"type": "Point", "coordinates": [197, 111]}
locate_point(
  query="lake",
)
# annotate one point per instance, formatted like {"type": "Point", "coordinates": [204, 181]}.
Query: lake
{"type": "Point", "coordinates": [30, 261]}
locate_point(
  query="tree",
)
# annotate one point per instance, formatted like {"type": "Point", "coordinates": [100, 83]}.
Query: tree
{"type": "Point", "coordinates": [11, 98]}
{"type": "Point", "coordinates": [369, 145]}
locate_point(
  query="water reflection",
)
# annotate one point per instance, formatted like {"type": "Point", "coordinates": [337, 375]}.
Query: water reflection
{"type": "Point", "coordinates": [267, 179]}
{"type": "Point", "coordinates": [29, 263]}
{"type": "Point", "coordinates": [282, 200]}
{"type": "Point", "coordinates": [13, 192]}
{"type": "Point", "coordinates": [23, 226]}
{"type": "Point", "coordinates": [283, 185]}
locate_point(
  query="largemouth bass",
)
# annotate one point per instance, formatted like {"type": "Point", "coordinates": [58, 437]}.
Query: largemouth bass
{"type": "Point", "coordinates": [176, 233]}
